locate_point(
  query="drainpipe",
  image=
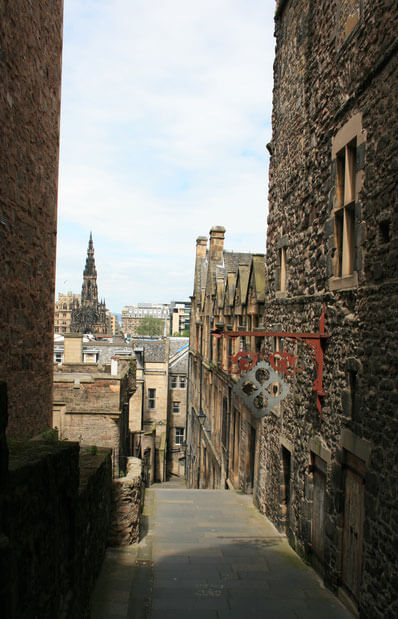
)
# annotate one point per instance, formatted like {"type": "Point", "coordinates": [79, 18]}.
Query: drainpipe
{"type": "Point", "coordinates": [200, 403]}
{"type": "Point", "coordinates": [228, 429]}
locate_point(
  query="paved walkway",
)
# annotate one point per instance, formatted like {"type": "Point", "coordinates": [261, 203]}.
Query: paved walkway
{"type": "Point", "coordinates": [208, 554]}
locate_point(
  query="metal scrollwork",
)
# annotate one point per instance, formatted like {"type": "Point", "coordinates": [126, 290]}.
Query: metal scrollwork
{"type": "Point", "coordinates": [261, 389]}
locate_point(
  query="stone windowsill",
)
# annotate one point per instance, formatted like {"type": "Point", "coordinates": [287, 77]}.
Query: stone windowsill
{"type": "Point", "coordinates": [343, 283]}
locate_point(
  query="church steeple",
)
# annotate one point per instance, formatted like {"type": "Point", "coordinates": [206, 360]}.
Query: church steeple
{"type": "Point", "coordinates": [89, 287]}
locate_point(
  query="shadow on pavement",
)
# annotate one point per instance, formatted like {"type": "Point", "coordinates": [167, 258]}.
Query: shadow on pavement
{"type": "Point", "coordinates": [249, 577]}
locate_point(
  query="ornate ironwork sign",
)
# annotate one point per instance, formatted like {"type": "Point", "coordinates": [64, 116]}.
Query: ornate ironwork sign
{"type": "Point", "coordinates": [261, 389]}
{"type": "Point", "coordinates": [275, 363]}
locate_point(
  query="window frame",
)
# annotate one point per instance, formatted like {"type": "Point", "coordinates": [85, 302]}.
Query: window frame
{"type": "Point", "coordinates": [151, 398]}
{"type": "Point", "coordinates": [179, 435]}
{"type": "Point", "coordinates": [348, 182]}
{"type": "Point", "coordinates": [176, 404]}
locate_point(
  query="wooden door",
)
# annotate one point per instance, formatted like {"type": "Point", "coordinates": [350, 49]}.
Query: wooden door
{"type": "Point", "coordinates": [251, 460]}
{"type": "Point", "coordinates": [236, 448]}
{"type": "Point", "coordinates": [285, 487]}
{"type": "Point", "coordinates": [353, 524]}
{"type": "Point", "coordinates": [318, 512]}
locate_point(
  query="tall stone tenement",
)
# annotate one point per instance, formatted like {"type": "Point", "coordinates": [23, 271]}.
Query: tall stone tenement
{"type": "Point", "coordinates": [30, 75]}
{"type": "Point", "coordinates": [89, 315]}
{"type": "Point", "coordinates": [321, 462]}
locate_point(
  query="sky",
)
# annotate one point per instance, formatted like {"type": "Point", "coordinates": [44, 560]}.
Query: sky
{"type": "Point", "coordinates": [165, 117]}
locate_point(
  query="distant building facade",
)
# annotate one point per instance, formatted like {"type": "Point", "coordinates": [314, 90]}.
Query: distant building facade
{"type": "Point", "coordinates": [113, 323]}
{"type": "Point", "coordinates": [158, 410]}
{"type": "Point", "coordinates": [91, 402]}
{"type": "Point", "coordinates": [180, 317]}
{"type": "Point", "coordinates": [132, 316]}
{"type": "Point", "coordinates": [177, 406]}
{"type": "Point", "coordinates": [89, 315]}
{"type": "Point", "coordinates": [63, 311]}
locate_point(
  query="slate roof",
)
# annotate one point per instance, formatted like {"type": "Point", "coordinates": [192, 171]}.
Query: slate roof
{"type": "Point", "coordinates": [176, 343]}
{"type": "Point", "coordinates": [154, 350]}
{"type": "Point", "coordinates": [180, 366]}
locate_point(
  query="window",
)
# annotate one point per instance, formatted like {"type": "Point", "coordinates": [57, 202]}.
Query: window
{"type": "Point", "coordinates": [152, 398]}
{"type": "Point", "coordinates": [344, 229]}
{"type": "Point", "coordinates": [173, 382]}
{"type": "Point", "coordinates": [179, 436]}
{"type": "Point", "coordinates": [344, 216]}
{"type": "Point", "coordinates": [175, 407]}
{"type": "Point", "coordinates": [224, 436]}
{"type": "Point", "coordinates": [282, 265]}
{"type": "Point", "coordinates": [183, 382]}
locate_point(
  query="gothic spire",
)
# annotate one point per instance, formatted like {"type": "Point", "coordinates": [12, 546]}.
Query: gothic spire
{"type": "Point", "coordinates": [90, 270]}
{"type": "Point", "coordinates": [88, 317]}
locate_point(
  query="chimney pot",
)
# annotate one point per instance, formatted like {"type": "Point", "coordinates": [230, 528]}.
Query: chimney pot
{"type": "Point", "coordinates": [217, 234]}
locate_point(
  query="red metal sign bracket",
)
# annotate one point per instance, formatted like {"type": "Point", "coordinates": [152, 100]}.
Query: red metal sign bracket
{"type": "Point", "coordinates": [282, 361]}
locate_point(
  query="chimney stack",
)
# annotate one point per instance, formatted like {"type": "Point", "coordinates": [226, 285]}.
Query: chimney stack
{"type": "Point", "coordinates": [217, 243]}
{"type": "Point", "coordinates": [73, 348]}
{"type": "Point", "coordinates": [201, 246]}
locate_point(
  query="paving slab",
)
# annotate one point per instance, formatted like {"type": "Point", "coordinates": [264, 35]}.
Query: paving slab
{"type": "Point", "coordinates": [208, 554]}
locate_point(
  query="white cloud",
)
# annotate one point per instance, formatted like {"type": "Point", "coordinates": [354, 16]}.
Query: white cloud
{"type": "Point", "coordinates": [165, 116]}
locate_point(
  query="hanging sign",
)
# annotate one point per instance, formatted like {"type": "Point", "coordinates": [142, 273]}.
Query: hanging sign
{"type": "Point", "coordinates": [275, 363]}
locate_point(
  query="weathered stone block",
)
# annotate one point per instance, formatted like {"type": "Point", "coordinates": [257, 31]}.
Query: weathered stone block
{"type": "Point", "coordinates": [127, 500]}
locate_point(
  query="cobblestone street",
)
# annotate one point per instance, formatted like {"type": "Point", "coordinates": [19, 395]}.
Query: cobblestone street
{"type": "Point", "coordinates": [208, 554]}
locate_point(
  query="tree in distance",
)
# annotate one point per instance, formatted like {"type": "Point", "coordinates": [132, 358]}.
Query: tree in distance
{"type": "Point", "coordinates": [184, 334]}
{"type": "Point", "coordinates": [151, 326]}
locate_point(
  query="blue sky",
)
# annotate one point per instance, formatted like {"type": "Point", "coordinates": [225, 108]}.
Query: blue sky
{"type": "Point", "coordinates": [166, 112]}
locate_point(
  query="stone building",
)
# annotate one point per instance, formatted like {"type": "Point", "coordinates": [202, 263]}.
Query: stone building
{"type": "Point", "coordinates": [158, 409]}
{"type": "Point", "coordinates": [63, 311]}
{"type": "Point", "coordinates": [89, 315]}
{"type": "Point", "coordinates": [91, 402]}
{"type": "Point", "coordinates": [228, 295]}
{"type": "Point", "coordinates": [30, 76]}
{"type": "Point", "coordinates": [180, 317]}
{"type": "Point", "coordinates": [177, 406]}
{"type": "Point", "coordinates": [113, 323]}
{"type": "Point", "coordinates": [320, 461]}
{"type": "Point", "coordinates": [332, 242]}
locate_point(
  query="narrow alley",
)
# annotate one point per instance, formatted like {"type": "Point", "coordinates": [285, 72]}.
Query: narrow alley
{"type": "Point", "coordinates": [208, 554]}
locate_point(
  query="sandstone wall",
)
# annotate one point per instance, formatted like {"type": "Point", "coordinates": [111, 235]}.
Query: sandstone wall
{"type": "Point", "coordinates": [81, 394]}
{"type": "Point", "coordinates": [92, 429]}
{"type": "Point", "coordinates": [30, 74]}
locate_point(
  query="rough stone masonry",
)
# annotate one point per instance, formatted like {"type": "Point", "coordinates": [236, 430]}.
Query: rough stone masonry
{"type": "Point", "coordinates": [30, 76]}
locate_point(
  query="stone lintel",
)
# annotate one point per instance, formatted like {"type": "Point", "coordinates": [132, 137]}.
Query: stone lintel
{"type": "Point", "coordinates": [317, 447]}
{"type": "Point", "coordinates": [359, 447]}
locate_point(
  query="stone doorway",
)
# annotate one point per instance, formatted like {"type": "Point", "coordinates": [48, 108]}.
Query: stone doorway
{"type": "Point", "coordinates": [354, 493]}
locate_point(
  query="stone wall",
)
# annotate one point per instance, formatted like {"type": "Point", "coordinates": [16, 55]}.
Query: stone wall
{"type": "Point", "coordinates": [93, 521]}
{"type": "Point", "coordinates": [30, 75]}
{"type": "Point", "coordinates": [93, 408]}
{"type": "Point", "coordinates": [334, 69]}
{"type": "Point", "coordinates": [87, 393]}
{"type": "Point", "coordinates": [128, 499]}
{"type": "Point", "coordinates": [56, 516]}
